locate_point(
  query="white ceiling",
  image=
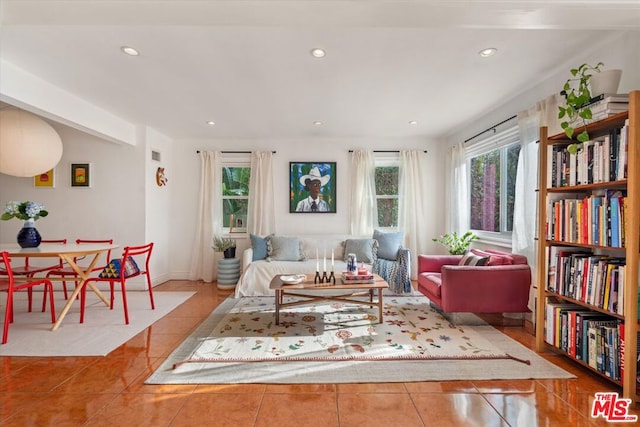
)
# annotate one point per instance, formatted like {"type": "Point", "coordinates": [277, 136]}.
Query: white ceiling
{"type": "Point", "coordinates": [246, 64]}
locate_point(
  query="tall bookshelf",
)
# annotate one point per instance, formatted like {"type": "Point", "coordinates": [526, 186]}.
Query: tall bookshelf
{"type": "Point", "coordinates": [562, 233]}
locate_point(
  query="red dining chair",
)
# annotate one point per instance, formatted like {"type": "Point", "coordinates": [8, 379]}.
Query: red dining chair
{"type": "Point", "coordinates": [11, 285]}
{"type": "Point", "coordinates": [28, 270]}
{"type": "Point", "coordinates": [121, 270]}
{"type": "Point", "coordinates": [70, 273]}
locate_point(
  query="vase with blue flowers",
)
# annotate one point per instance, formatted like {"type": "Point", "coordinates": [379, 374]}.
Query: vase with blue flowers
{"type": "Point", "coordinates": [29, 212]}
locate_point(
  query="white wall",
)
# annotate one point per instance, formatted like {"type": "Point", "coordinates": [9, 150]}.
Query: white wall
{"type": "Point", "coordinates": [186, 177]}
{"type": "Point", "coordinates": [158, 203]}
{"type": "Point", "coordinates": [113, 207]}
{"type": "Point", "coordinates": [622, 51]}
{"type": "Point", "coordinates": [125, 203]}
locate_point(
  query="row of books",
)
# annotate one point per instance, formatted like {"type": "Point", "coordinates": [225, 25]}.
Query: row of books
{"type": "Point", "coordinates": [588, 219]}
{"type": "Point", "coordinates": [600, 160]}
{"type": "Point", "coordinates": [594, 338]}
{"type": "Point", "coordinates": [593, 279]}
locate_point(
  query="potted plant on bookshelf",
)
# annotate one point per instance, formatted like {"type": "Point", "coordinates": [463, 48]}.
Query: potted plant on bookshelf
{"type": "Point", "coordinates": [225, 245]}
{"type": "Point", "coordinates": [456, 244]}
{"type": "Point", "coordinates": [576, 95]}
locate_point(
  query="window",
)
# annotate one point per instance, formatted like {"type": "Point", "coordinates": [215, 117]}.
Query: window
{"type": "Point", "coordinates": [386, 180]}
{"type": "Point", "coordinates": [235, 196]}
{"type": "Point", "coordinates": [492, 166]}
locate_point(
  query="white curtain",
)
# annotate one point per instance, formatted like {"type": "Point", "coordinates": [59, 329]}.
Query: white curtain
{"type": "Point", "coordinates": [209, 221]}
{"type": "Point", "coordinates": [458, 194]}
{"type": "Point", "coordinates": [413, 195]}
{"type": "Point", "coordinates": [525, 209]}
{"type": "Point", "coordinates": [363, 207]}
{"type": "Point", "coordinates": [261, 210]}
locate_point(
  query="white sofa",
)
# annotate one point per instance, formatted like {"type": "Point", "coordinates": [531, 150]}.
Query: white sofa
{"type": "Point", "coordinates": [257, 275]}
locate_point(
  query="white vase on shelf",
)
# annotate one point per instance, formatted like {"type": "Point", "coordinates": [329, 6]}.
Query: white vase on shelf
{"type": "Point", "coordinates": [606, 81]}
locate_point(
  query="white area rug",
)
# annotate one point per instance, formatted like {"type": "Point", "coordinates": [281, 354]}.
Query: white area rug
{"type": "Point", "coordinates": [338, 353]}
{"type": "Point", "coordinates": [103, 330]}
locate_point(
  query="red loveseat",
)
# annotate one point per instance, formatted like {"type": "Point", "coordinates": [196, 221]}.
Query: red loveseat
{"type": "Point", "coordinates": [500, 287]}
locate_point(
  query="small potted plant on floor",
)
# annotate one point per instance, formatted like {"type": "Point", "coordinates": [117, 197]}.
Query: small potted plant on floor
{"type": "Point", "coordinates": [225, 245]}
{"type": "Point", "coordinates": [456, 244]}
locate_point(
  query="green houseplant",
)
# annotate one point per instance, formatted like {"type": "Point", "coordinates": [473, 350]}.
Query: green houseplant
{"type": "Point", "coordinates": [456, 244]}
{"type": "Point", "coordinates": [576, 94]}
{"type": "Point", "coordinates": [225, 245]}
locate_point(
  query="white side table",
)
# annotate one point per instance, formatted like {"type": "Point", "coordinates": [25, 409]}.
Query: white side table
{"type": "Point", "coordinates": [228, 273]}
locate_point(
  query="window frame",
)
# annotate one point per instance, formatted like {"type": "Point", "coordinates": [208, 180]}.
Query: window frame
{"type": "Point", "coordinates": [236, 160]}
{"type": "Point", "coordinates": [387, 160]}
{"type": "Point", "coordinates": [502, 141]}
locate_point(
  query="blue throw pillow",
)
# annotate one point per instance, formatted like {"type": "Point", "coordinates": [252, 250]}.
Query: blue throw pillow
{"type": "Point", "coordinates": [259, 246]}
{"type": "Point", "coordinates": [388, 244]}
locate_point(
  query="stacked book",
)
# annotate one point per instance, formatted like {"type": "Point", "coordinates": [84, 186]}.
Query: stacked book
{"type": "Point", "coordinates": [607, 104]}
{"type": "Point", "coordinates": [356, 278]}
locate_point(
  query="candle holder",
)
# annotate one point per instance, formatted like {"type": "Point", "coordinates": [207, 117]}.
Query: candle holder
{"type": "Point", "coordinates": [331, 278]}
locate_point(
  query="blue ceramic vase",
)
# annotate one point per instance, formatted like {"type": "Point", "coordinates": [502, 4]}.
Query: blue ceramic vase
{"type": "Point", "coordinates": [28, 236]}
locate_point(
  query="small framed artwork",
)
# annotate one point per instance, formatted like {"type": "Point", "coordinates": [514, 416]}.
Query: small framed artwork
{"type": "Point", "coordinates": [81, 175]}
{"type": "Point", "coordinates": [312, 187]}
{"type": "Point", "coordinates": [45, 180]}
{"type": "Point", "coordinates": [238, 224]}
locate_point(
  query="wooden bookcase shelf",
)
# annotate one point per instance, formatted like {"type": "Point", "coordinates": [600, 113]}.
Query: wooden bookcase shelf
{"type": "Point", "coordinates": [548, 295]}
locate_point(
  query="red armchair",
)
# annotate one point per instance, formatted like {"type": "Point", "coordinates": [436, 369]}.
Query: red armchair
{"type": "Point", "coordinates": [457, 288]}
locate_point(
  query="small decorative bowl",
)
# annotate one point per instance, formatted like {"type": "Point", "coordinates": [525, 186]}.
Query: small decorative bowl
{"type": "Point", "coordinates": [293, 279]}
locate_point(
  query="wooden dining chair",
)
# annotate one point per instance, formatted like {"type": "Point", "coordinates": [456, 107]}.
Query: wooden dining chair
{"type": "Point", "coordinates": [10, 284]}
{"type": "Point", "coordinates": [70, 274]}
{"type": "Point", "coordinates": [28, 270]}
{"type": "Point", "coordinates": [121, 270]}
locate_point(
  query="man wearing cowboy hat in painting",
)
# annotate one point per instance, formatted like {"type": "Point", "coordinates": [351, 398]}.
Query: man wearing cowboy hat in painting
{"type": "Point", "coordinates": [313, 182]}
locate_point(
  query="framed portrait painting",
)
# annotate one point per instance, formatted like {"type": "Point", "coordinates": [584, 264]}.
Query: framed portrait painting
{"type": "Point", "coordinates": [312, 187]}
{"type": "Point", "coordinates": [81, 175]}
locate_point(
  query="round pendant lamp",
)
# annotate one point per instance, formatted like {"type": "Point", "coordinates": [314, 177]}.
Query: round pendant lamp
{"type": "Point", "coordinates": [29, 146]}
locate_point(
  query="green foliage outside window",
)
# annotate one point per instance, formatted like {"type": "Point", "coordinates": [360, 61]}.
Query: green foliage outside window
{"type": "Point", "coordinates": [512, 168]}
{"type": "Point", "coordinates": [386, 180]}
{"type": "Point", "coordinates": [235, 193]}
{"type": "Point", "coordinates": [491, 180]}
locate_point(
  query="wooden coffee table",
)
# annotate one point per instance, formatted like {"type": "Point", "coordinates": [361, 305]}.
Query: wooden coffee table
{"type": "Point", "coordinates": [353, 290]}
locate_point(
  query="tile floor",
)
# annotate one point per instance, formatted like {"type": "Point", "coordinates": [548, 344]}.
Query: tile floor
{"type": "Point", "coordinates": [110, 391]}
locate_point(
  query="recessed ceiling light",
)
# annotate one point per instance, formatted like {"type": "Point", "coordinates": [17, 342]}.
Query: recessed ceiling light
{"type": "Point", "coordinates": [317, 123]}
{"type": "Point", "coordinates": [211, 122]}
{"type": "Point", "coordinates": [129, 51]}
{"type": "Point", "coordinates": [488, 52]}
{"type": "Point", "coordinates": [318, 53]}
{"type": "Point", "coordinates": [413, 122]}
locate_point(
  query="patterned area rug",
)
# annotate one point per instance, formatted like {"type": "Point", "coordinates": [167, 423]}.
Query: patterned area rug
{"type": "Point", "coordinates": [337, 331]}
{"type": "Point", "coordinates": [340, 343]}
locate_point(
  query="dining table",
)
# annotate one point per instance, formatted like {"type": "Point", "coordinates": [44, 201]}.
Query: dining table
{"type": "Point", "coordinates": [68, 253]}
